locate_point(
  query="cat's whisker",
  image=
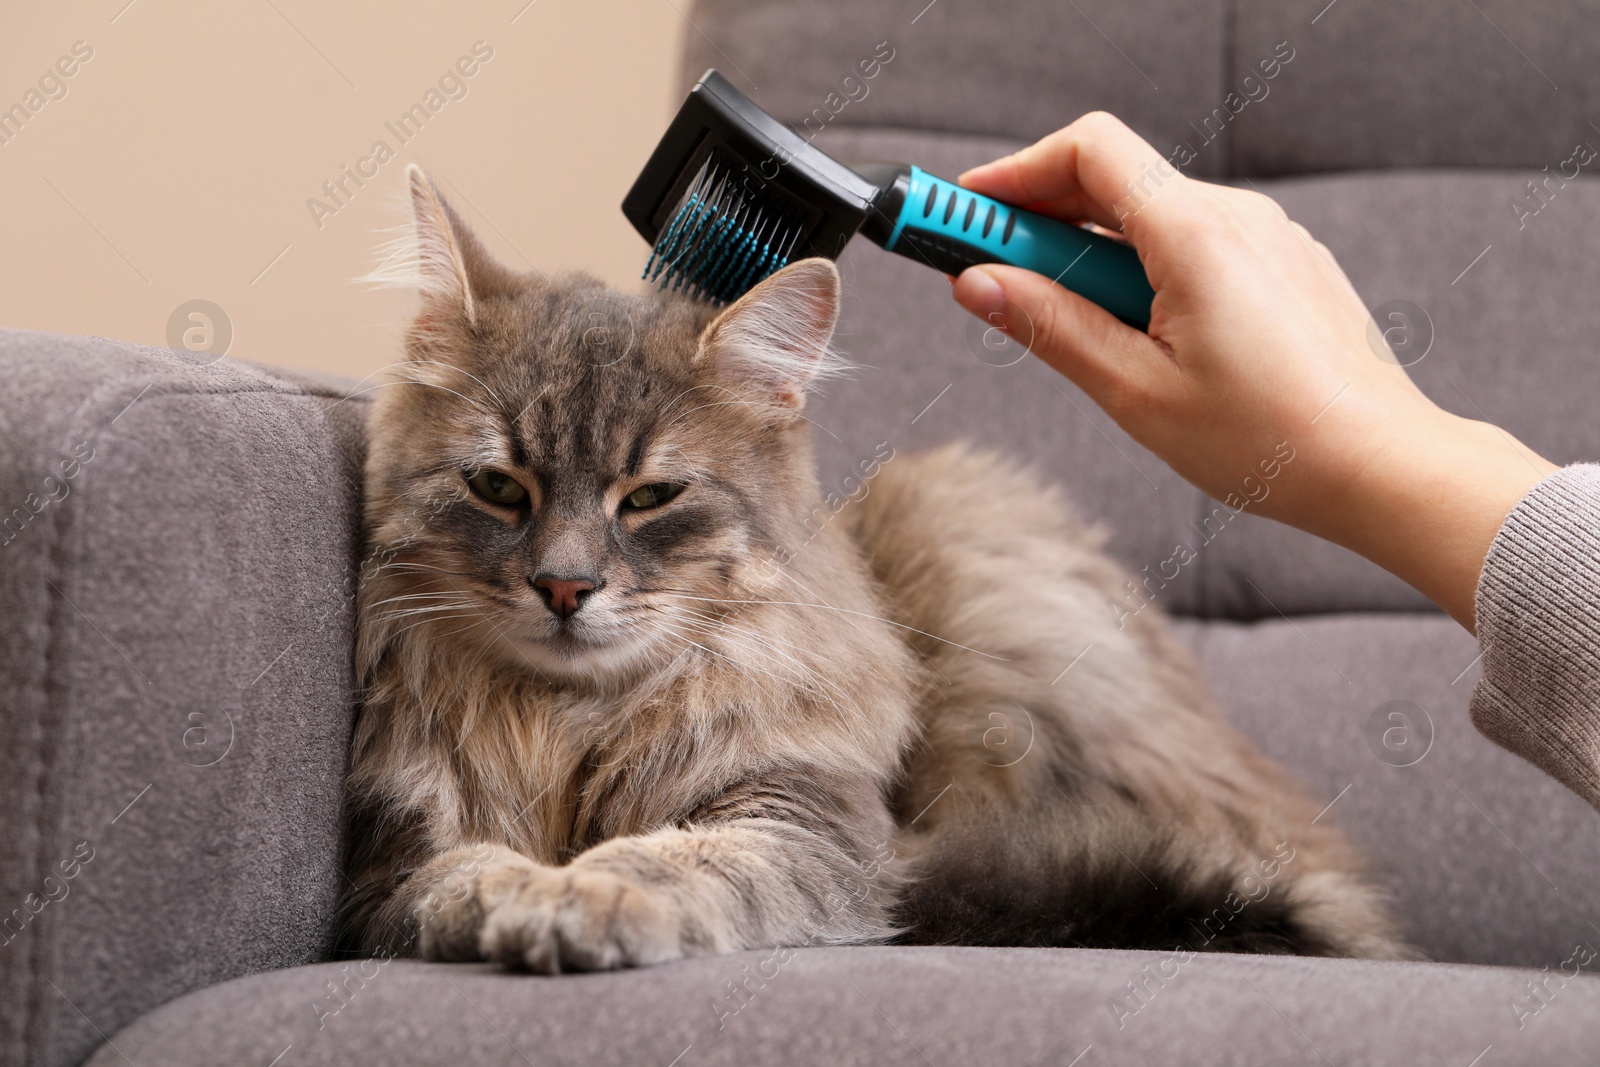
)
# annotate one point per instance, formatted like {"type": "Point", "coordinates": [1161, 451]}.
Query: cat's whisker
{"type": "Point", "coordinates": [666, 409]}
{"type": "Point", "coordinates": [444, 611]}
{"type": "Point", "coordinates": [432, 609]}
{"type": "Point", "coordinates": [846, 611]}
{"type": "Point", "coordinates": [448, 366]}
{"type": "Point", "coordinates": [799, 679]}
{"type": "Point", "coordinates": [435, 362]}
{"type": "Point", "coordinates": [789, 576]}
{"type": "Point", "coordinates": [717, 404]}
{"type": "Point", "coordinates": [761, 641]}
{"type": "Point", "coordinates": [414, 566]}
{"type": "Point", "coordinates": [720, 619]}
{"type": "Point", "coordinates": [743, 667]}
{"type": "Point", "coordinates": [412, 381]}
{"type": "Point", "coordinates": [444, 618]}
{"type": "Point", "coordinates": [410, 601]}
{"type": "Point", "coordinates": [465, 629]}
{"type": "Point", "coordinates": [412, 596]}
{"type": "Point", "coordinates": [803, 673]}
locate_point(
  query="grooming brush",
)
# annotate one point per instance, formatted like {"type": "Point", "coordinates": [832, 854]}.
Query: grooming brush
{"type": "Point", "coordinates": [731, 195]}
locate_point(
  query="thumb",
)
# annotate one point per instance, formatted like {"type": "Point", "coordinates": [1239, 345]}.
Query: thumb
{"type": "Point", "coordinates": [1102, 355]}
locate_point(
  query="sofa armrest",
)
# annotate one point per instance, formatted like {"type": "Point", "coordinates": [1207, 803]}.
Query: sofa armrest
{"type": "Point", "coordinates": [178, 544]}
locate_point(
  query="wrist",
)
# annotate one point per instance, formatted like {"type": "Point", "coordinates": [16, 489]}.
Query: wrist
{"type": "Point", "coordinates": [1429, 510]}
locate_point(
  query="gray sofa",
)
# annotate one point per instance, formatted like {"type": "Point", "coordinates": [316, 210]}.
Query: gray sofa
{"type": "Point", "coordinates": [180, 539]}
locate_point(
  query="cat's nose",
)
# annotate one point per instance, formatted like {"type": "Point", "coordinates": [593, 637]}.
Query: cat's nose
{"type": "Point", "coordinates": [564, 596]}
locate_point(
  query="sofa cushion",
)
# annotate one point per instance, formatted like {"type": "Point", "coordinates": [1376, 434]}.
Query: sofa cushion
{"type": "Point", "coordinates": [175, 647]}
{"type": "Point", "coordinates": [1486, 858]}
{"type": "Point", "coordinates": [874, 1006]}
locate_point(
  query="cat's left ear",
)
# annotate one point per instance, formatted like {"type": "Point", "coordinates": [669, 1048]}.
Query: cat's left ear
{"type": "Point", "coordinates": [442, 259]}
{"type": "Point", "coordinates": [773, 341]}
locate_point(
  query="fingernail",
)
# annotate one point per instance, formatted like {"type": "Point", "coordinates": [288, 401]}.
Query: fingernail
{"type": "Point", "coordinates": [978, 292]}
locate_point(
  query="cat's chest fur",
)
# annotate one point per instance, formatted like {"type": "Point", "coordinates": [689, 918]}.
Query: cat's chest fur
{"type": "Point", "coordinates": [559, 771]}
{"type": "Point", "coordinates": [775, 694]}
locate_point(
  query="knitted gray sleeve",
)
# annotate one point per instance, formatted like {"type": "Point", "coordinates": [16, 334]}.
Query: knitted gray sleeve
{"type": "Point", "coordinates": [1538, 621]}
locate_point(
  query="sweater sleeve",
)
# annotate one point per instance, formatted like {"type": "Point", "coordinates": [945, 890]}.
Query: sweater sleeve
{"type": "Point", "coordinates": [1538, 623]}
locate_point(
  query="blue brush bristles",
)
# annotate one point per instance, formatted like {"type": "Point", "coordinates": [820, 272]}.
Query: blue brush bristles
{"type": "Point", "coordinates": [718, 244]}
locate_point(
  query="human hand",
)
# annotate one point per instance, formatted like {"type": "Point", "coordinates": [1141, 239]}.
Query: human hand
{"type": "Point", "coordinates": [1257, 341]}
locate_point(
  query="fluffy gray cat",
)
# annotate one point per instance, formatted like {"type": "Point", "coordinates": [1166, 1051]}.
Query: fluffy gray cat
{"type": "Point", "coordinates": [626, 700]}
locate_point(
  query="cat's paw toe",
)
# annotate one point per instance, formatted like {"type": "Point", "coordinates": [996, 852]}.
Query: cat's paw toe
{"type": "Point", "coordinates": [582, 921]}
{"type": "Point", "coordinates": [449, 919]}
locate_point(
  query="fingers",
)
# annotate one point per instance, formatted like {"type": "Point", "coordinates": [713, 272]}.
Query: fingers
{"type": "Point", "coordinates": [1097, 169]}
{"type": "Point", "coordinates": [1110, 361]}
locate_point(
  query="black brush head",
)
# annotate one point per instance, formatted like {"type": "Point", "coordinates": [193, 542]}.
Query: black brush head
{"type": "Point", "coordinates": [731, 195]}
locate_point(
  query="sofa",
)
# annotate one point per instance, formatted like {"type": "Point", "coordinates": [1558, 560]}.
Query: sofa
{"type": "Point", "coordinates": [180, 538]}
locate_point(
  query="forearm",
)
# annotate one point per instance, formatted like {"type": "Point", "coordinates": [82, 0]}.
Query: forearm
{"type": "Point", "coordinates": [403, 906]}
{"type": "Point", "coordinates": [756, 882]}
{"type": "Point", "coordinates": [1427, 502]}
{"type": "Point", "coordinates": [634, 900]}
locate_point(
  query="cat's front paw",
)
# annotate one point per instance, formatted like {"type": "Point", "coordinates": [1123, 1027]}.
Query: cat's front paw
{"type": "Point", "coordinates": [465, 886]}
{"type": "Point", "coordinates": [567, 919]}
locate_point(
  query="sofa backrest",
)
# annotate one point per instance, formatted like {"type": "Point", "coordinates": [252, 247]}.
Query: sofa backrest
{"type": "Point", "coordinates": [1372, 84]}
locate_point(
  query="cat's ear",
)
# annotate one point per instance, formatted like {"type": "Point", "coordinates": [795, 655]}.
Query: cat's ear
{"type": "Point", "coordinates": [773, 342]}
{"type": "Point", "coordinates": [440, 258]}
{"type": "Point", "coordinates": [441, 263]}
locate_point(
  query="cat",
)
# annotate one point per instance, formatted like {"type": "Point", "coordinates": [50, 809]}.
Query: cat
{"type": "Point", "coordinates": [623, 704]}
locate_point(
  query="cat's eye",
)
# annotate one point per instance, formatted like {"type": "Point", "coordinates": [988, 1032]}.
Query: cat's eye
{"type": "Point", "coordinates": [497, 488]}
{"type": "Point", "coordinates": [650, 496]}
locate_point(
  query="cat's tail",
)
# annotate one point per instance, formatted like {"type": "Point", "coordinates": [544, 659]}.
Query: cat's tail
{"type": "Point", "coordinates": [1068, 749]}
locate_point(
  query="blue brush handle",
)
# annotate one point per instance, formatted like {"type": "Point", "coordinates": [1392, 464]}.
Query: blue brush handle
{"type": "Point", "coordinates": [952, 228]}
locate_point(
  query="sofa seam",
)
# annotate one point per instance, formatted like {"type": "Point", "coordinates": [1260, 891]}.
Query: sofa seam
{"type": "Point", "coordinates": [1202, 593]}
{"type": "Point", "coordinates": [266, 378]}
{"type": "Point", "coordinates": [50, 726]}
{"type": "Point", "coordinates": [1227, 59]}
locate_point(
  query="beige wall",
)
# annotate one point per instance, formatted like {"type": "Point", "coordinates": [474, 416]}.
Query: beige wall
{"type": "Point", "coordinates": [179, 162]}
